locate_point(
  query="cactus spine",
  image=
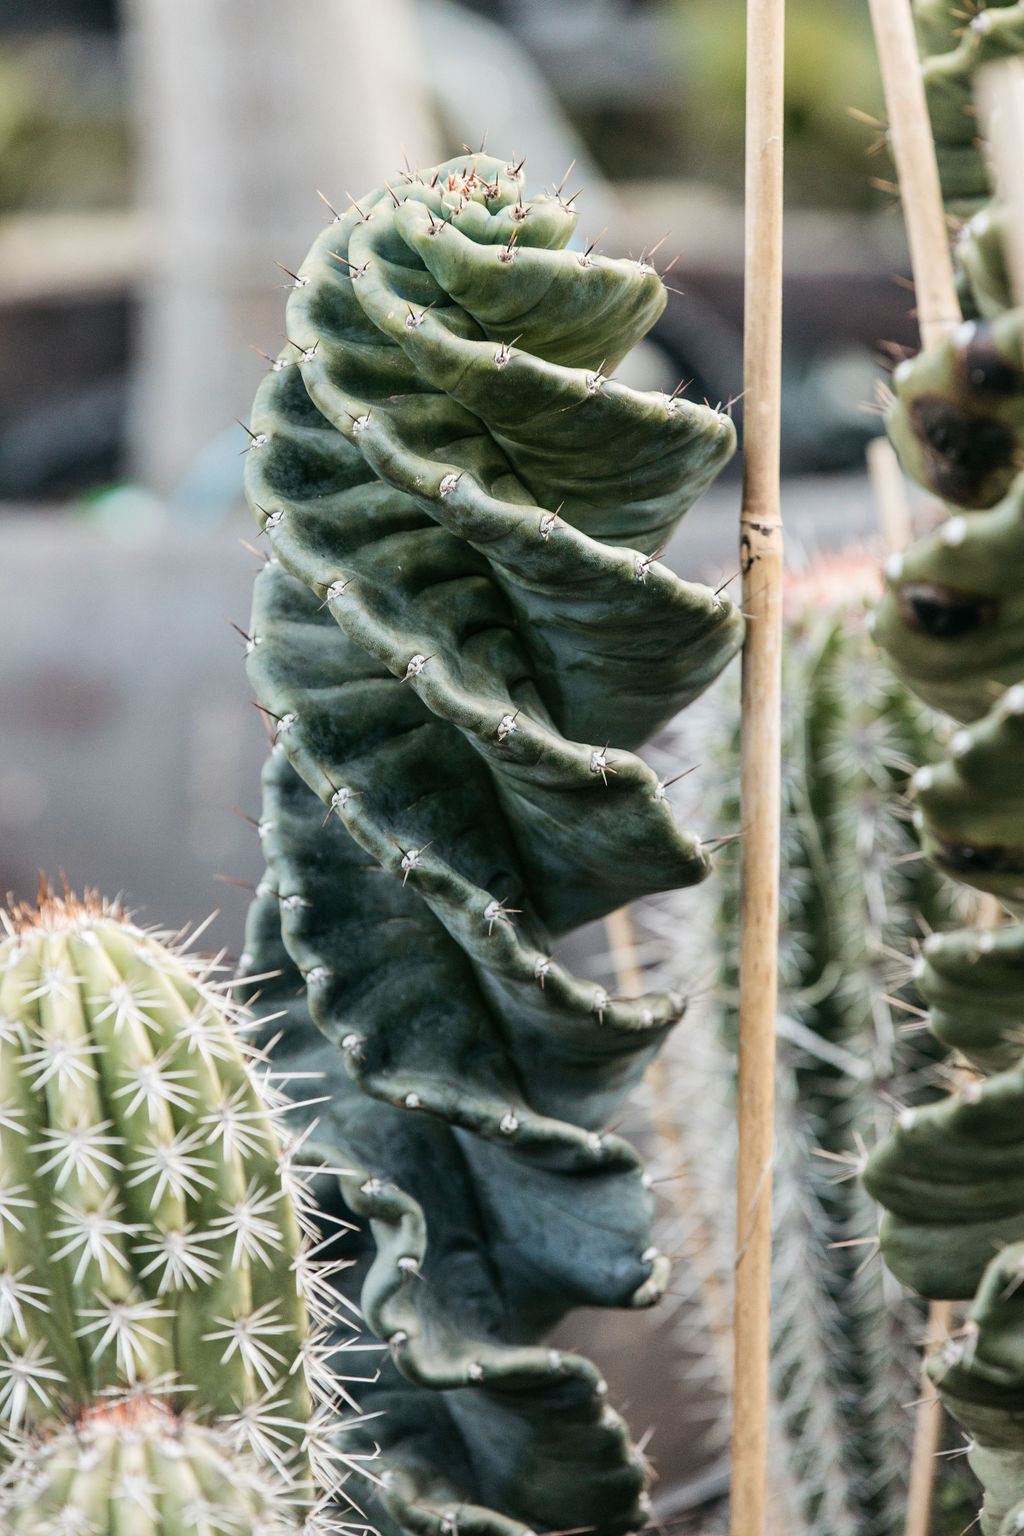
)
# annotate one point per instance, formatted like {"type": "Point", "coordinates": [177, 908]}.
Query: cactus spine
{"type": "Point", "coordinates": [461, 630]}
{"type": "Point", "coordinates": [950, 1174]}
{"type": "Point", "coordinates": [162, 1318]}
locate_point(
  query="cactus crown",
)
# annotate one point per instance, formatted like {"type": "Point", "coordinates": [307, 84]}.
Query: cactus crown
{"type": "Point", "coordinates": [163, 1311]}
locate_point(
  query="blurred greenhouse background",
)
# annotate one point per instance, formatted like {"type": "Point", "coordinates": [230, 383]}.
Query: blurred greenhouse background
{"type": "Point", "coordinates": [157, 157]}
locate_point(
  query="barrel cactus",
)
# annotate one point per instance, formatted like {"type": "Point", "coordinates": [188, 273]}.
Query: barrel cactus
{"type": "Point", "coordinates": [461, 631]}
{"type": "Point", "coordinates": [164, 1357]}
{"type": "Point", "coordinates": [950, 1174]}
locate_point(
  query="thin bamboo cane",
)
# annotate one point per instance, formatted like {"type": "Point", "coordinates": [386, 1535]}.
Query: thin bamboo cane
{"type": "Point", "coordinates": [928, 1427]}
{"type": "Point", "coordinates": [760, 753]}
{"type": "Point", "coordinates": [1002, 109]}
{"type": "Point", "coordinates": [890, 493]}
{"type": "Point", "coordinates": [938, 309]}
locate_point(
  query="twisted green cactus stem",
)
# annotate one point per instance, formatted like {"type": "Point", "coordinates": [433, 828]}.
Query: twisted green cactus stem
{"type": "Point", "coordinates": [162, 1318]}
{"type": "Point", "coordinates": [462, 629]}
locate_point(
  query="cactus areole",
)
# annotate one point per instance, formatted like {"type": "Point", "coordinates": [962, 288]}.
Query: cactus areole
{"type": "Point", "coordinates": [462, 630]}
{"type": "Point", "coordinates": [162, 1320]}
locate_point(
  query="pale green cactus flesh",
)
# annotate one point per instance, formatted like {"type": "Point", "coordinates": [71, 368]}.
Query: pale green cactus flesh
{"type": "Point", "coordinates": [462, 631]}
{"type": "Point", "coordinates": [157, 1290]}
{"type": "Point", "coordinates": [970, 808]}
{"type": "Point", "coordinates": [973, 981]}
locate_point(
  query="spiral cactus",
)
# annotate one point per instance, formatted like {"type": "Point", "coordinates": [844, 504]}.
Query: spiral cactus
{"type": "Point", "coordinates": [461, 630]}
{"type": "Point", "coordinates": [162, 1318]}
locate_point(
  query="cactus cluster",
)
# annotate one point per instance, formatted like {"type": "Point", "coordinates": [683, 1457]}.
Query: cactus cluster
{"type": "Point", "coordinates": [460, 632]}
{"type": "Point", "coordinates": [855, 893]}
{"type": "Point", "coordinates": [950, 1174]}
{"type": "Point", "coordinates": [166, 1324]}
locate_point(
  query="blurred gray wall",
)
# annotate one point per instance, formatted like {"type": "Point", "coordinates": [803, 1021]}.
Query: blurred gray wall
{"type": "Point", "coordinates": [244, 109]}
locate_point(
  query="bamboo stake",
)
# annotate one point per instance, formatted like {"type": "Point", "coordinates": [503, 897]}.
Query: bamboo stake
{"type": "Point", "coordinates": [1002, 107]}
{"type": "Point", "coordinates": [928, 1428]}
{"type": "Point", "coordinates": [890, 494]}
{"type": "Point", "coordinates": [938, 309]}
{"type": "Point", "coordinates": [760, 753]}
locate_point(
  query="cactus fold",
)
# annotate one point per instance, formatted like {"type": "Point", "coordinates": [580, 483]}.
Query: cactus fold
{"type": "Point", "coordinates": [461, 632]}
{"type": "Point", "coordinates": [157, 1353]}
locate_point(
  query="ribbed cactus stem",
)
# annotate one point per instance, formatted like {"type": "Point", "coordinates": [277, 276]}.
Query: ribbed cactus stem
{"type": "Point", "coordinates": [461, 633]}
{"type": "Point", "coordinates": [163, 1318]}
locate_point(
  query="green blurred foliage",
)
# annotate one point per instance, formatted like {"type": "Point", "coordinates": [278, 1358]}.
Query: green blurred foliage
{"type": "Point", "coordinates": [696, 129]}
{"type": "Point", "coordinates": [64, 139]}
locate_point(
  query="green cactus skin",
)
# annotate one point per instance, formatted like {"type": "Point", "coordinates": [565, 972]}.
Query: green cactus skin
{"type": "Point", "coordinates": [973, 982]}
{"type": "Point", "coordinates": [952, 619]}
{"type": "Point", "coordinates": [954, 46]}
{"type": "Point", "coordinates": [951, 1177]}
{"type": "Point", "coordinates": [461, 631]}
{"type": "Point", "coordinates": [958, 418]}
{"type": "Point", "coordinates": [158, 1299]}
{"type": "Point", "coordinates": [983, 281]}
{"type": "Point", "coordinates": [970, 808]}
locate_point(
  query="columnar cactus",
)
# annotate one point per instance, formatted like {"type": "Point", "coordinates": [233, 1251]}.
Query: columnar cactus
{"type": "Point", "coordinates": [461, 630]}
{"type": "Point", "coordinates": [950, 1174]}
{"type": "Point", "coordinates": [164, 1362]}
{"type": "Point", "coordinates": [854, 893]}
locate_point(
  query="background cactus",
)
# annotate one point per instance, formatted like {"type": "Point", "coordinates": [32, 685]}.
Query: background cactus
{"type": "Point", "coordinates": [949, 1174]}
{"type": "Point", "coordinates": [163, 1320]}
{"type": "Point", "coordinates": [462, 628]}
{"type": "Point", "coordinates": [855, 894]}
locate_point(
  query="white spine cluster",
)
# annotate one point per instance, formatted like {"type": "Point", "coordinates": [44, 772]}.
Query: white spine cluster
{"type": "Point", "coordinates": [151, 1192]}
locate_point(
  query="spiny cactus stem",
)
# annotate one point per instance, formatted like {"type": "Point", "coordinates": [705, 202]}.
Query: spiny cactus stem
{"type": "Point", "coordinates": [938, 308]}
